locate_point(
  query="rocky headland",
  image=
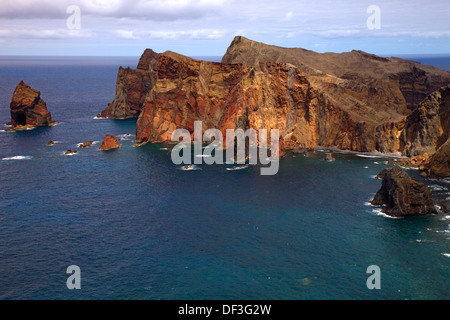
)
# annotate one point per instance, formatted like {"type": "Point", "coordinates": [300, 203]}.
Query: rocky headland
{"type": "Point", "coordinates": [352, 101]}
{"type": "Point", "coordinates": [28, 109]}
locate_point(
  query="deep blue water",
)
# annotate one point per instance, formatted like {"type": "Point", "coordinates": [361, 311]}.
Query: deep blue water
{"type": "Point", "coordinates": [141, 228]}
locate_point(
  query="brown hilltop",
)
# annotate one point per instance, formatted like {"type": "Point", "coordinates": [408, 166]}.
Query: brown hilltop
{"type": "Point", "coordinates": [354, 101]}
{"type": "Point", "coordinates": [389, 83]}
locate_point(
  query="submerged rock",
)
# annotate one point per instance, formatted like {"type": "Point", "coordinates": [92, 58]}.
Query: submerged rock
{"type": "Point", "coordinates": [110, 143]}
{"type": "Point", "coordinates": [28, 109]}
{"type": "Point", "coordinates": [402, 196]}
{"type": "Point", "coordinates": [50, 143]}
{"type": "Point", "coordinates": [329, 157]}
{"type": "Point", "coordinates": [86, 144]}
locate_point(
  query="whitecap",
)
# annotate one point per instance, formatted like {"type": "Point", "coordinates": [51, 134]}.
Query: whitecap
{"type": "Point", "coordinates": [69, 154]}
{"type": "Point", "coordinates": [376, 162]}
{"type": "Point", "coordinates": [18, 158]}
{"type": "Point", "coordinates": [99, 118]}
{"type": "Point", "coordinates": [446, 254]}
{"type": "Point", "coordinates": [164, 149]}
{"type": "Point", "coordinates": [367, 156]}
{"type": "Point", "coordinates": [80, 144]}
{"type": "Point", "coordinates": [408, 168]}
{"type": "Point", "coordinates": [375, 176]}
{"type": "Point", "coordinates": [378, 212]}
{"type": "Point", "coordinates": [189, 167]}
{"type": "Point", "coordinates": [238, 168]}
{"type": "Point", "coordinates": [366, 167]}
{"type": "Point", "coordinates": [436, 187]}
{"type": "Point", "coordinates": [126, 136]}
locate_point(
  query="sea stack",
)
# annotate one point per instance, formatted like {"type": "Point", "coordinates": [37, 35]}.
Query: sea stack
{"type": "Point", "coordinates": [28, 109]}
{"type": "Point", "coordinates": [402, 196]}
{"type": "Point", "coordinates": [109, 143]}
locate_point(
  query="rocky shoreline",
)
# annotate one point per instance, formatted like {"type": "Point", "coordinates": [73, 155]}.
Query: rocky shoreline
{"type": "Point", "coordinates": [353, 102]}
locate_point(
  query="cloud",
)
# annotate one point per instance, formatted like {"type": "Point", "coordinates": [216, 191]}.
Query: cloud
{"type": "Point", "coordinates": [414, 34]}
{"type": "Point", "coordinates": [126, 34]}
{"type": "Point", "coordinates": [191, 34]}
{"type": "Point", "coordinates": [153, 10]}
{"type": "Point", "coordinates": [195, 34]}
{"type": "Point", "coordinates": [29, 9]}
{"type": "Point", "coordinates": [338, 33]}
{"type": "Point", "coordinates": [45, 33]}
{"type": "Point", "coordinates": [288, 16]}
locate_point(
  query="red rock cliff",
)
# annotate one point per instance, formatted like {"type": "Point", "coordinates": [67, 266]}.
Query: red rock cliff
{"type": "Point", "coordinates": [353, 101]}
{"type": "Point", "coordinates": [27, 108]}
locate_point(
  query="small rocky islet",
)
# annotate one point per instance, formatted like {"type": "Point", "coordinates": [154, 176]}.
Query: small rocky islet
{"type": "Point", "coordinates": [401, 196]}
{"type": "Point", "coordinates": [28, 110]}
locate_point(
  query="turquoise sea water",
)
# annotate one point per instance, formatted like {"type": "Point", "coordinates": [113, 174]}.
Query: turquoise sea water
{"type": "Point", "coordinates": [140, 228]}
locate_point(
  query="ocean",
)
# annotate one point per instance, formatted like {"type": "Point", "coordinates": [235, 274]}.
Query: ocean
{"type": "Point", "coordinates": [139, 227]}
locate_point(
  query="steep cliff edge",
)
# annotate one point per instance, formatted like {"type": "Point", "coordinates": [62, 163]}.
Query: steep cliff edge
{"type": "Point", "coordinates": [427, 127]}
{"type": "Point", "coordinates": [132, 86]}
{"type": "Point", "coordinates": [354, 101]}
{"type": "Point", "coordinates": [229, 96]}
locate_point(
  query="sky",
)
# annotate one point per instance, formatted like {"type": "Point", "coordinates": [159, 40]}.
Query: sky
{"type": "Point", "coordinates": [207, 27]}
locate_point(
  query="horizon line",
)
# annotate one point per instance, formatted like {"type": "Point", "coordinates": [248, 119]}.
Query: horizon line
{"type": "Point", "coordinates": [192, 56]}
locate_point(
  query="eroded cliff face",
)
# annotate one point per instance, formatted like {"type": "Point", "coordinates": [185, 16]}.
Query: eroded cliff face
{"type": "Point", "coordinates": [427, 127]}
{"type": "Point", "coordinates": [353, 101]}
{"type": "Point", "coordinates": [132, 87]}
{"type": "Point", "coordinates": [264, 96]}
{"type": "Point", "coordinates": [28, 109]}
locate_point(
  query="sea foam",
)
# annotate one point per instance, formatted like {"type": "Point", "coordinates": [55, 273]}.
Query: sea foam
{"type": "Point", "coordinates": [17, 158]}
